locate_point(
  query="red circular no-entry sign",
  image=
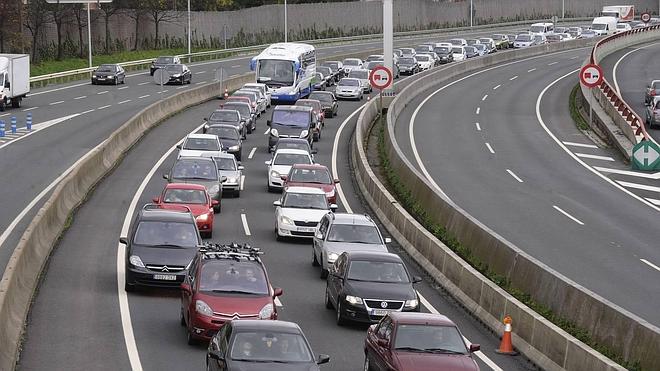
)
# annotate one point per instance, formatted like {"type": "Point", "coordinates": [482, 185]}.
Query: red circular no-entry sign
{"type": "Point", "coordinates": [646, 17]}
{"type": "Point", "coordinates": [591, 75]}
{"type": "Point", "coordinates": [381, 77]}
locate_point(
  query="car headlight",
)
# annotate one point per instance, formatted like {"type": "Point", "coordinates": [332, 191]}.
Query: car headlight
{"type": "Point", "coordinates": [112, 77]}
{"type": "Point", "coordinates": [286, 220]}
{"type": "Point", "coordinates": [232, 179]}
{"type": "Point", "coordinates": [176, 75]}
{"type": "Point", "coordinates": [274, 132]}
{"type": "Point", "coordinates": [234, 148]}
{"type": "Point", "coordinates": [304, 133]}
{"type": "Point", "coordinates": [411, 304]}
{"type": "Point", "coordinates": [332, 257]}
{"type": "Point", "coordinates": [292, 92]}
{"type": "Point", "coordinates": [94, 76]}
{"type": "Point", "coordinates": [203, 308]}
{"type": "Point", "coordinates": [202, 218]}
{"type": "Point", "coordinates": [136, 261]}
{"type": "Point", "coordinates": [354, 300]}
{"type": "Point", "coordinates": [274, 174]}
{"type": "Point", "coordinates": [267, 311]}
{"type": "Point", "coordinates": [214, 189]}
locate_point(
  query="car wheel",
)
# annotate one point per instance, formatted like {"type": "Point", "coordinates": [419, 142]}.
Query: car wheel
{"type": "Point", "coordinates": [217, 209]}
{"type": "Point", "coordinates": [237, 193]}
{"type": "Point", "coordinates": [328, 303]}
{"type": "Point", "coordinates": [324, 272]}
{"type": "Point", "coordinates": [191, 339]}
{"type": "Point", "coordinates": [182, 319]}
{"type": "Point", "coordinates": [16, 103]}
{"type": "Point", "coordinates": [209, 234]}
{"type": "Point", "coordinates": [340, 319]}
{"type": "Point", "coordinates": [128, 287]}
{"type": "Point", "coordinates": [270, 189]}
{"type": "Point", "coordinates": [315, 261]}
{"type": "Point", "coordinates": [367, 367]}
{"type": "Point", "coordinates": [93, 83]}
{"type": "Point", "coordinates": [249, 129]}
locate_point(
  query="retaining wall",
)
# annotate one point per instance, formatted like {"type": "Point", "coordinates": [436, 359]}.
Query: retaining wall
{"type": "Point", "coordinates": [544, 343]}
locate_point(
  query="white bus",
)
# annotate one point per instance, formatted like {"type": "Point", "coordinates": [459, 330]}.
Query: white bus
{"type": "Point", "coordinates": [289, 70]}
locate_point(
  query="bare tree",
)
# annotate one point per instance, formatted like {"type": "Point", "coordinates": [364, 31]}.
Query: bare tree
{"type": "Point", "coordinates": [108, 10]}
{"type": "Point", "coordinates": [158, 13]}
{"type": "Point", "coordinates": [37, 18]}
{"type": "Point", "coordinates": [137, 14]}
{"type": "Point", "coordinates": [10, 25]}
{"type": "Point", "coordinates": [59, 13]}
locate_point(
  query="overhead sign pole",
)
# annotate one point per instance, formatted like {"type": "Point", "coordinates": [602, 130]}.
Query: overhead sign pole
{"type": "Point", "coordinates": [388, 41]}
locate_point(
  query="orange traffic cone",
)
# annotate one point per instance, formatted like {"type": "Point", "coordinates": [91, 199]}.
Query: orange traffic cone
{"type": "Point", "coordinates": [505, 345]}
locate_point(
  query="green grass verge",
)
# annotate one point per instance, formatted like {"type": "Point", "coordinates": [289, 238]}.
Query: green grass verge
{"type": "Point", "coordinates": [407, 200]}
{"type": "Point", "coordinates": [580, 122]}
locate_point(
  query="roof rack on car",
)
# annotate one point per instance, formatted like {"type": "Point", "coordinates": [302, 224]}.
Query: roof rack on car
{"type": "Point", "coordinates": [152, 206]}
{"type": "Point", "coordinates": [231, 250]}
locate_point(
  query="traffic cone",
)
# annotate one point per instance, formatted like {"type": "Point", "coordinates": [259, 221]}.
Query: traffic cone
{"type": "Point", "coordinates": [505, 345]}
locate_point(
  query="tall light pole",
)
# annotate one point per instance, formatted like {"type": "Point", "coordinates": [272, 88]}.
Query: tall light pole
{"type": "Point", "coordinates": [563, 9]}
{"type": "Point", "coordinates": [89, 35]}
{"type": "Point", "coordinates": [189, 46]}
{"type": "Point", "coordinates": [388, 43]}
{"type": "Point", "coordinates": [286, 26]}
{"type": "Point", "coordinates": [472, 12]}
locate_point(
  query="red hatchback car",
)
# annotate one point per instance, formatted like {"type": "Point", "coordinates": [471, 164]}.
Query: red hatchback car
{"type": "Point", "coordinates": [314, 175]}
{"type": "Point", "coordinates": [406, 341]}
{"type": "Point", "coordinates": [194, 197]}
{"type": "Point", "coordinates": [225, 283]}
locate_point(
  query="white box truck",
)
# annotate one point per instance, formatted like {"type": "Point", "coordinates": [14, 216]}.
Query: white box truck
{"type": "Point", "coordinates": [622, 13]}
{"type": "Point", "coordinates": [14, 79]}
{"type": "Point", "coordinates": [603, 26]}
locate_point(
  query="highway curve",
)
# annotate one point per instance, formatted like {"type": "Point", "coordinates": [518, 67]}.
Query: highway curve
{"type": "Point", "coordinates": [77, 321]}
{"type": "Point", "coordinates": [502, 145]}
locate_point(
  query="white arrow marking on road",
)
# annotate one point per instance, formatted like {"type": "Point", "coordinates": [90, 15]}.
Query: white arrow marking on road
{"type": "Point", "coordinates": [651, 156]}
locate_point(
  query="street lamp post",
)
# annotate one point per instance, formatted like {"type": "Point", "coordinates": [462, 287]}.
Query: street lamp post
{"type": "Point", "coordinates": [89, 35]}
{"type": "Point", "coordinates": [286, 27]}
{"type": "Point", "coordinates": [189, 46]}
{"type": "Point", "coordinates": [563, 8]}
{"type": "Point", "coordinates": [472, 12]}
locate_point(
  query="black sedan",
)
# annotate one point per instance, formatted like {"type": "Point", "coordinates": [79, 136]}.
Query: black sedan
{"type": "Point", "coordinates": [179, 73]}
{"type": "Point", "coordinates": [162, 62]}
{"type": "Point", "coordinates": [327, 75]}
{"type": "Point", "coordinates": [226, 116]}
{"type": "Point", "coordinates": [251, 344]}
{"type": "Point", "coordinates": [328, 102]}
{"type": "Point", "coordinates": [364, 286]}
{"type": "Point", "coordinates": [337, 69]}
{"type": "Point", "coordinates": [408, 65]}
{"type": "Point", "coordinates": [108, 74]}
{"type": "Point", "coordinates": [444, 53]}
{"type": "Point", "coordinates": [229, 137]}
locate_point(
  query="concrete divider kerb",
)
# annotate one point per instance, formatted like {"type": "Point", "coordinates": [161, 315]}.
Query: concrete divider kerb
{"type": "Point", "coordinates": [544, 343]}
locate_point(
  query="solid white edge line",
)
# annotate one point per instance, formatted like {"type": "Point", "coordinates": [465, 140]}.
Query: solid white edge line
{"type": "Point", "coordinates": [616, 65]}
{"type": "Point", "coordinates": [567, 215]}
{"type": "Point", "coordinates": [562, 146]}
{"type": "Point", "coordinates": [246, 227]}
{"type": "Point", "coordinates": [490, 148]}
{"type": "Point", "coordinates": [478, 126]}
{"type": "Point", "coordinates": [650, 264]}
{"type": "Point", "coordinates": [333, 161]}
{"type": "Point", "coordinates": [638, 174]}
{"type": "Point", "coordinates": [594, 157]}
{"type": "Point", "coordinates": [573, 144]}
{"type": "Point", "coordinates": [653, 201]}
{"type": "Point", "coordinates": [254, 149]}
{"type": "Point", "coordinates": [516, 177]}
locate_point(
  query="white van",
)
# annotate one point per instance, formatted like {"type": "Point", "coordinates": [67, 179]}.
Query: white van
{"type": "Point", "coordinates": [604, 26]}
{"type": "Point", "coordinates": [541, 28]}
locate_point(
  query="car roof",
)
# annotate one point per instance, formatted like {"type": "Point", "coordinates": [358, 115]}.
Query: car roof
{"type": "Point", "coordinates": [308, 190]}
{"type": "Point", "coordinates": [321, 92]}
{"type": "Point", "coordinates": [192, 186]}
{"type": "Point", "coordinates": [265, 324]}
{"type": "Point", "coordinates": [349, 78]}
{"type": "Point", "coordinates": [419, 318]}
{"type": "Point", "coordinates": [293, 140]}
{"type": "Point", "coordinates": [236, 102]}
{"type": "Point", "coordinates": [292, 108]}
{"type": "Point", "coordinates": [308, 100]}
{"type": "Point", "coordinates": [166, 215]}
{"type": "Point", "coordinates": [291, 151]}
{"type": "Point", "coordinates": [195, 158]}
{"type": "Point", "coordinates": [381, 256]}
{"type": "Point", "coordinates": [350, 218]}
{"type": "Point", "coordinates": [310, 166]}
{"type": "Point", "coordinates": [202, 136]}
{"type": "Point", "coordinates": [227, 126]}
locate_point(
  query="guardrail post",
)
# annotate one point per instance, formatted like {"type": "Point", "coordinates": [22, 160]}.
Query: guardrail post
{"type": "Point", "coordinates": [2, 129]}
{"type": "Point", "coordinates": [13, 124]}
{"type": "Point", "coordinates": [28, 121]}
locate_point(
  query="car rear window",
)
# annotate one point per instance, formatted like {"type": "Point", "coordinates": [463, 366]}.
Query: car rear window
{"type": "Point", "coordinates": [185, 196]}
{"type": "Point", "coordinates": [166, 234]}
{"type": "Point", "coordinates": [187, 169]}
{"type": "Point", "coordinates": [290, 159]}
{"type": "Point", "coordinates": [223, 133]}
{"type": "Point", "coordinates": [352, 233]}
{"type": "Point", "coordinates": [201, 144]}
{"type": "Point", "coordinates": [319, 176]}
{"type": "Point", "coordinates": [224, 116]}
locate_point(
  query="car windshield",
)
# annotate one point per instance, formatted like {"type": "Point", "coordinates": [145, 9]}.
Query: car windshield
{"type": "Point", "coordinates": [223, 133]}
{"type": "Point", "coordinates": [165, 60]}
{"type": "Point", "coordinates": [352, 233]}
{"type": "Point", "coordinates": [554, 37]}
{"type": "Point", "coordinates": [456, 42]}
{"type": "Point", "coordinates": [422, 58]}
{"type": "Point", "coordinates": [301, 175]}
{"type": "Point", "coordinates": [305, 201]}
{"type": "Point", "coordinates": [202, 144]}
{"type": "Point", "coordinates": [406, 61]}
{"type": "Point", "coordinates": [470, 49]}
{"type": "Point", "coordinates": [599, 26]}
{"type": "Point", "coordinates": [429, 339]}
{"type": "Point", "coordinates": [265, 346]}
{"type": "Point", "coordinates": [480, 46]}
{"type": "Point", "coordinates": [251, 96]}
{"type": "Point", "coordinates": [194, 170]}
{"type": "Point", "coordinates": [223, 116]}
{"type": "Point", "coordinates": [351, 62]}
{"type": "Point", "coordinates": [377, 271]}
{"type": "Point", "coordinates": [107, 68]}
{"type": "Point", "coordinates": [364, 75]}
{"type": "Point", "coordinates": [166, 234]}
{"type": "Point", "coordinates": [442, 49]}
{"type": "Point", "coordinates": [333, 65]}
{"type": "Point", "coordinates": [243, 109]}
{"type": "Point", "coordinates": [185, 196]}
{"type": "Point", "coordinates": [290, 159]}
{"type": "Point", "coordinates": [286, 117]}
{"type": "Point", "coordinates": [345, 82]}
{"type": "Point", "coordinates": [321, 97]}
{"type": "Point", "coordinates": [225, 163]}
{"type": "Point", "coordinates": [276, 72]}
{"type": "Point", "coordinates": [484, 41]}
{"type": "Point", "coordinates": [524, 38]}
{"type": "Point", "coordinates": [457, 50]}
{"type": "Point", "coordinates": [537, 29]}
{"type": "Point", "coordinates": [231, 276]}
{"type": "Point", "coordinates": [174, 68]}
{"type": "Point", "coordinates": [326, 71]}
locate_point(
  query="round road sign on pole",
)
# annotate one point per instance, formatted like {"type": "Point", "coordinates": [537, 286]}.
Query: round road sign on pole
{"type": "Point", "coordinates": [591, 75]}
{"type": "Point", "coordinates": [381, 77]}
{"type": "Point", "coordinates": [646, 17]}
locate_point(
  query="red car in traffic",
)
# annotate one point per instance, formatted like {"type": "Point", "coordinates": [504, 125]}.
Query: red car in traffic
{"type": "Point", "coordinates": [225, 283]}
{"type": "Point", "coordinates": [407, 341]}
{"type": "Point", "coordinates": [314, 175]}
{"type": "Point", "coordinates": [193, 197]}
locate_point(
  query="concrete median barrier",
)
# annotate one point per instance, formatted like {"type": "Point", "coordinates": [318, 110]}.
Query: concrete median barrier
{"type": "Point", "coordinates": [545, 344]}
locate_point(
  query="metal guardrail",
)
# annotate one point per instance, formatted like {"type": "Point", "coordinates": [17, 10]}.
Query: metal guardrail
{"type": "Point", "coordinates": [614, 98]}
{"type": "Point", "coordinates": [221, 53]}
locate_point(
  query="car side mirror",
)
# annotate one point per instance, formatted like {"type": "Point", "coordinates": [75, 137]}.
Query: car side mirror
{"type": "Point", "coordinates": [206, 119]}
{"type": "Point", "coordinates": [241, 167]}
{"type": "Point", "coordinates": [267, 122]}
{"type": "Point", "coordinates": [217, 355]}
{"type": "Point", "coordinates": [474, 348]}
{"type": "Point", "coordinates": [186, 288]}
{"type": "Point", "coordinates": [388, 240]}
{"type": "Point", "coordinates": [382, 343]}
{"type": "Point", "coordinates": [123, 240]}
{"type": "Point", "coordinates": [322, 358]}
{"type": "Point", "coordinates": [215, 202]}
{"type": "Point", "coordinates": [416, 279]}
{"type": "Point", "coordinates": [333, 207]}
{"type": "Point", "coordinates": [166, 177]}
{"type": "Point", "coordinates": [223, 179]}
{"type": "Point", "coordinates": [277, 291]}
{"type": "Point", "coordinates": [372, 328]}
{"type": "Point", "coordinates": [319, 235]}
{"type": "Point", "coordinates": [267, 162]}
{"type": "Point", "coordinates": [277, 203]}
{"type": "Point", "coordinates": [178, 146]}
{"type": "Point", "coordinates": [155, 200]}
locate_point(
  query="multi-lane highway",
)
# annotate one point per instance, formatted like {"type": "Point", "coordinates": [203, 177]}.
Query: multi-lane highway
{"type": "Point", "coordinates": [501, 144]}
{"type": "Point", "coordinates": [81, 316]}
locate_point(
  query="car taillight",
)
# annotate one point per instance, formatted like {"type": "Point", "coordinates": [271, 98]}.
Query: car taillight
{"type": "Point", "coordinates": [254, 104]}
{"type": "Point", "coordinates": [652, 92]}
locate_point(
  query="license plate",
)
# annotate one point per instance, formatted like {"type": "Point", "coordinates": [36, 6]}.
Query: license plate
{"type": "Point", "coordinates": [303, 229]}
{"type": "Point", "coordinates": [101, 78]}
{"type": "Point", "coordinates": [165, 277]}
{"type": "Point", "coordinates": [379, 312]}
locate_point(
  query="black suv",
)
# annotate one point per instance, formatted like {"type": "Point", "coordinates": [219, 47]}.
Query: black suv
{"type": "Point", "coordinates": [364, 286]}
{"type": "Point", "coordinates": [291, 122]}
{"type": "Point", "coordinates": [159, 247]}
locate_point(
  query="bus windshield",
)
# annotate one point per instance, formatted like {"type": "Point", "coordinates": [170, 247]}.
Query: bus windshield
{"type": "Point", "coordinates": [276, 72]}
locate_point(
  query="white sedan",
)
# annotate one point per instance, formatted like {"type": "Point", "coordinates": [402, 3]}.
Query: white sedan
{"type": "Point", "coordinates": [281, 163]}
{"type": "Point", "coordinates": [199, 145]}
{"type": "Point", "coordinates": [425, 61]}
{"type": "Point", "coordinates": [299, 211]}
{"type": "Point", "coordinates": [459, 53]}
